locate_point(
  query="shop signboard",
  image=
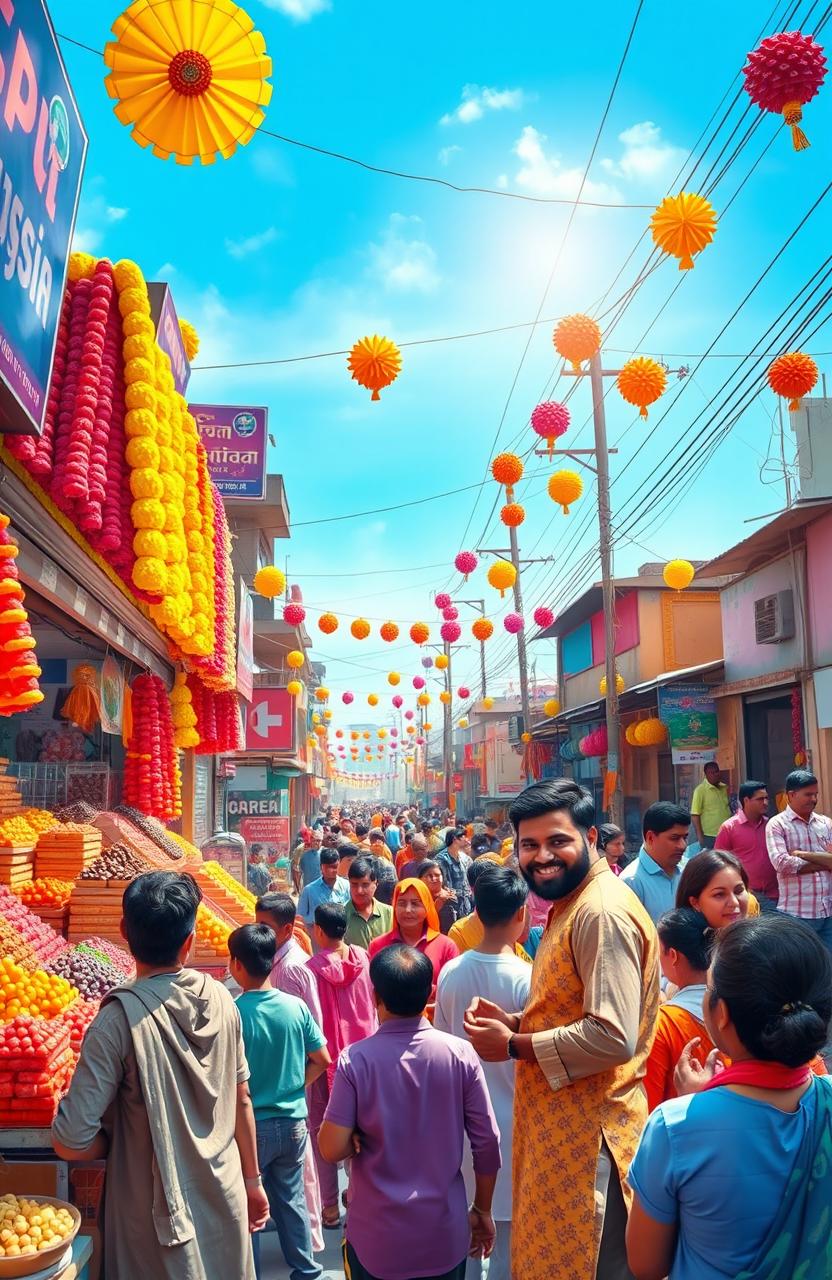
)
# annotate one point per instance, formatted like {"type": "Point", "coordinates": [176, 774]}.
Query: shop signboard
{"type": "Point", "coordinates": [270, 721]}
{"type": "Point", "coordinates": [169, 335]}
{"type": "Point", "coordinates": [236, 440]}
{"type": "Point", "coordinates": [245, 644]}
{"type": "Point", "coordinates": [43, 147]}
{"type": "Point", "coordinates": [689, 711]}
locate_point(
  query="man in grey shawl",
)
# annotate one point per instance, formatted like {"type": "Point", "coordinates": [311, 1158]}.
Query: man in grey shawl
{"type": "Point", "coordinates": [161, 1092]}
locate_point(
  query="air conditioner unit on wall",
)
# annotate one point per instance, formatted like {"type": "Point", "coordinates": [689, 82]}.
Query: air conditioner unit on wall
{"type": "Point", "coordinates": [774, 618]}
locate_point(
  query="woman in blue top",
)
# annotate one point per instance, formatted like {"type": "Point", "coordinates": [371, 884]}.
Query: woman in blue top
{"type": "Point", "coordinates": [735, 1179]}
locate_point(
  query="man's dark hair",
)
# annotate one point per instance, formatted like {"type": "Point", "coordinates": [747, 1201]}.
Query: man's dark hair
{"type": "Point", "coordinates": [480, 844]}
{"type": "Point", "coordinates": [376, 836]}
{"type": "Point", "coordinates": [361, 830]}
{"type": "Point", "coordinates": [663, 815]}
{"type": "Point", "coordinates": [750, 788]}
{"type": "Point", "coordinates": [159, 910]}
{"type": "Point", "coordinates": [279, 906]}
{"type": "Point", "coordinates": [800, 778]}
{"type": "Point", "coordinates": [492, 822]}
{"type": "Point", "coordinates": [455, 833]}
{"type": "Point", "coordinates": [402, 978]}
{"type": "Point", "coordinates": [476, 869]}
{"type": "Point", "coordinates": [254, 945]}
{"type": "Point", "coordinates": [329, 857]}
{"type": "Point", "coordinates": [362, 867]}
{"type": "Point", "coordinates": [554, 794]}
{"type": "Point", "coordinates": [331, 918]}
{"type": "Point", "coordinates": [499, 893]}
{"type": "Point", "coordinates": [687, 931]}
{"type": "Point", "coordinates": [346, 849]}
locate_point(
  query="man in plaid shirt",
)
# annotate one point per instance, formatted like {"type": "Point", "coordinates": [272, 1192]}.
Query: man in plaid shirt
{"type": "Point", "coordinates": [799, 845]}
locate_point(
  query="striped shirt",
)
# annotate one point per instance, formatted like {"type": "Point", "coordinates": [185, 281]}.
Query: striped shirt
{"type": "Point", "coordinates": [808, 896]}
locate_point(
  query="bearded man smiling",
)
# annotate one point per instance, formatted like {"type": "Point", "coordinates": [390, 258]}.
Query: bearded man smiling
{"type": "Point", "coordinates": [581, 1044]}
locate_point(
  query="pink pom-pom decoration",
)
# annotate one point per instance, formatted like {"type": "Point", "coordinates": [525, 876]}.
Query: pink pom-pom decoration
{"type": "Point", "coordinates": [513, 622]}
{"type": "Point", "coordinates": [451, 613]}
{"type": "Point", "coordinates": [427, 662]}
{"type": "Point", "coordinates": [595, 743]}
{"type": "Point", "coordinates": [466, 562]}
{"type": "Point", "coordinates": [550, 420]}
{"type": "Point", "coordinates": [782, 74]}
{"type": "Point", "coordinates": [463, 691]}
{"type": "Point", "coordinates": [418, 682]}
{"type": "Point", "coordinates": [293, 614]}
{"type": "Point", "coordinates": [394, 733]}
{"type": "Point", "coordinates": [398, 701]}
{"type": "Point", "coordinates": [420, 742]}
{"type": "Point", "coordinates": [442, 600]}
{"type": "Point", "coordinates": [450, 632]}
{"type": "Point", "coordinates": [543, 616]}
{"type": "Point", "coordinates": [408, 715]}
{"type": "Point", "coordinates": [347, 698]}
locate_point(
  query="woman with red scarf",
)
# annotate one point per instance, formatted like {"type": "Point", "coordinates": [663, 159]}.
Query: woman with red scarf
{"type": "Point", "coordinates": [733, 1179]}
{"type": "Point", "coordinates": [416, 923]}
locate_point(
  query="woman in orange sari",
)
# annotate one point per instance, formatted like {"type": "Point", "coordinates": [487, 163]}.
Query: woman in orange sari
{"type": "Point", "coordinates": [416, 923]}
{"type": "Point", "coordinates": [685, 941]}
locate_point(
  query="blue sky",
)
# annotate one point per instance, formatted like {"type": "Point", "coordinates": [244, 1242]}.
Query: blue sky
{"type": "Point", "coordinates": [279, 252]}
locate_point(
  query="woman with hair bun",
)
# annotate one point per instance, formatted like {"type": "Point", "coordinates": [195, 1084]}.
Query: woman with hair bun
{"type": "Point", "coordinates": [734, 1180]}
{"type": "Point", "coordinates": [685, 941]}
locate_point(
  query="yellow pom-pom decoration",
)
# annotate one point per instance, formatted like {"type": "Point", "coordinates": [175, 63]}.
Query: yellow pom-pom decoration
{"type": "Point", "coordinates": [501, 575]}
{"type": "Point", "coordinates": [463, 723]}
{"type": "Point", "coordinates": [322, 694]}
{"type": "Point", "coordinates": [374, 363]}
{"type": "Point", "coordinates": [445, 697]}
{"type": "Point", "coordinates": [551, 706]}
{"type": "Point", "coordinates": [190, 339]}
{"type": "Point", "coordinates": [294, 688]}
{"type": "Point", "coordinates": [372, 699]}
{"type": "Point", "coordinates": [649, 733]}
{"type": "Point", "coordinates": [678, 574]}
{"type": "Point", "coordinates": [394, 678]}
{"type": "Point", "coordinates": [576, 338]}
{"type": "Point", "coordinates": [565, 487]}
{"type": "Point", "coordinates": [619, 685]}
{"type": "Point", "coordinates": [683, 225]}
{"type": "Point", "coordinates": [423, 700]}
{"type": "Point", "coordinates": [269, 581]}
{"type": "Point", "coordinates": [525, 737]}
{"type": "Point", "coordinates": [441, 662]}
{"type": "Point", "coordinates": [641, 382]}
{"type": "Point", "coordinates": [295, 659]}
{"type": "Point", "coordinates": [487, 704]}
{"type": "Point", "coordinates": [360, 628]}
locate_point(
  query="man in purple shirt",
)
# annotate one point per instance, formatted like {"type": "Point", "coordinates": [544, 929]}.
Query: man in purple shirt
{"type": "Point", "coordinates": [401, 1103]}
{"type": "Point", "coordinates": [744, 835]}
{"type": "Point", "coordinates": [289, 972]}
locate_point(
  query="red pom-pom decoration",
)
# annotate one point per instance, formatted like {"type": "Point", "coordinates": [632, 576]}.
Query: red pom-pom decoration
{"type": "Point", "coordinates": [550, 420]}
{"type": "Point", "coordinates": [450, 632]}
{"type": "Point", "coordinates": [451, 613]}
{"type": "Point", "coordinates": [442, 600]}
{"type": "Point", "coordinates": [293, 614]}
{"type": "Point", "coordinates": [463, 691]}
{"type": "Point", "coordinates": [466, 562]}
{"type": "Point", "coordinates": [784, 73]}
{"type": "Point", "coordinates": [543, 616]}
{"type": "Point", "coordinates": [513, 622]}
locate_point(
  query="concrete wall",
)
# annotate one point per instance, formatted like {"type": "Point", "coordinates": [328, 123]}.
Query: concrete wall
{"type": "Point", "coordinates": [744, 658]}
{"type": "Point", "coordinates": [819, 574]}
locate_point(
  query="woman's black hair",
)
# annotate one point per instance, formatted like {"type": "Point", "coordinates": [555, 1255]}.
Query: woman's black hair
{"type": "Point", "coordinates": [700, 870]}
{"type": "Point", "coordinates": [608, 831]}
{"type": "Point", "coordinates": [775, 976]}
{"type": "Point", "coordinates": [688, 932]}
{"type": "Point", "coordinates": [429, 864]}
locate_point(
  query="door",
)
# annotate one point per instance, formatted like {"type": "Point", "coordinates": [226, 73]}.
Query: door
{"type": "Point", "coordinates": [768, 739]}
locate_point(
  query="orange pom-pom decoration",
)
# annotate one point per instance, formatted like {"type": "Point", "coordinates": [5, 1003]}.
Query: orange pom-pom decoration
{"type": "Point", "coordinates": [507, 469]}
{"type": "Point", "coordinates": [482, 629]}
{"type": "Point", "coordinates": [576, 338]}
{"type": "Point", "coordinates": [328, 623]}
{"type": "Point", "coordinates": [683, 225]}
{"type": "Point", "coordinates": [502, 575]}
{"type": "Point", "coordinates": [792, 376]}
{"type": "Point", "coordinates": [375, 363]}
{"type": "Point", "coordinates": [389, 631]}
{"type": "Point", "coordinates": [641, 382]}
{"type": "Point", "coordinates": [565, 487]}
{"type": "Point", "coordinates": [512, 515]}
{"type": "Point", "coordinates": [420, 633]}
{"type": "Point", "coordinates": [360, 628]}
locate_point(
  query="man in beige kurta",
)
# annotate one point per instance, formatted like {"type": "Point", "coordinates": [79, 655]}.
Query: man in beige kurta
{"type": "Point", "coordinates": [156, 1087]}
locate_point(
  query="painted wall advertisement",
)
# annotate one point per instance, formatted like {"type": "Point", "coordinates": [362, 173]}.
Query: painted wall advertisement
{"type": "Point", "coordinates": [236, 439]}
{"type": "Point", "coordinates": [689, 711]}
{"type": "Point", "coordinates": [257, 816]}
{"type": "Point", "coordinates": [42, 151]}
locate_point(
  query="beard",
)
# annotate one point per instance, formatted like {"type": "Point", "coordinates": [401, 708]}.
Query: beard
{"type": "Point", "coordinates": [562, 885]}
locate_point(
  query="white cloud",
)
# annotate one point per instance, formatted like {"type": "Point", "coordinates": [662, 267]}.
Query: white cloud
{"type": "Point", "coordinates": [404, 260]}
{"type": "Point", "coordinates": [446, 153]}
{"type": "Point", "coordinates": [114, 214]}
{"type": "Point", "coordinates": [252, 244]}
{"type": "Point", "coordinates": [645, 156]}
{"type": "Point", "coordinates": [542, 173]}
{"type": "Point", "coordinates": [477, 99]}
{"type": "Point", "coordinates": [269, 163]}
{"type": "Point", "coordinates": [86, 240]}
{"type": "Point", "coordinates": [164, 272]}
{"type": "Point", "coordinates": [299, 10]}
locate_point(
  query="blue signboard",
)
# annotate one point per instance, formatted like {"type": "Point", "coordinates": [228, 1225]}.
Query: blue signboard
{"type": "Point", "coordinates": [42, 151]}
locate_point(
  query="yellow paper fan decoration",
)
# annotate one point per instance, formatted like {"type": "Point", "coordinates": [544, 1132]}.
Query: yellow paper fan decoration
{"type": "Point", "coordinates": [189, 76]}
{"type": "Point", "coordinates": [374, 363]}
{"type": "Point", "coordinates": [683, 225]}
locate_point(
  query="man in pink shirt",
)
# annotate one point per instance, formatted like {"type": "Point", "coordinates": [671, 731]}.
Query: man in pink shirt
{"type": "Point", "coordinates": [744, 835]}
{"type": "Point", "coordinates": [348, 1009]}
{"type": "Point", "coordinates": [290, 973]}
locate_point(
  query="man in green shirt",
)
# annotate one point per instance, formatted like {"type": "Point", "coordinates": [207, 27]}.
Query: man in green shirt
{"type": "Point", "coordinates": [286, 1051]}
{"type": "Point", "coordinates": [709, 807]}
{"type": "Point", "coordinates": [366, 918]}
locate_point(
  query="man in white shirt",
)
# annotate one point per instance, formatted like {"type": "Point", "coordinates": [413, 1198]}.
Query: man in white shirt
{"type": "Point", "coordinates": [492, 970]}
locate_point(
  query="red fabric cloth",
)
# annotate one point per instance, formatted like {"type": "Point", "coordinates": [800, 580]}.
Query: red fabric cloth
{"type": "Point", "coordinates": [762, 1075]}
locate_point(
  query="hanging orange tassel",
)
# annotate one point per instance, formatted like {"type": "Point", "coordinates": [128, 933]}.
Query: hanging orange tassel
{"type": "Point", "coordinates": [83, 706]}
{"type": "Point", "coordinates": [127, 715]}
{"type": "Point", "coordinates": [792, 114]}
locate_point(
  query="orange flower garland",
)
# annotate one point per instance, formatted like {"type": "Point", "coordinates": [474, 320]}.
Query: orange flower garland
{"type": "Point", "coordinates": [19, 670]}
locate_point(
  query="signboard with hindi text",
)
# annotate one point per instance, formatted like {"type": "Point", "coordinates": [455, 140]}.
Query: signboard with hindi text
{"type": "Point", "coordinates": [43, 147]}
{"type": "Point", "coordinates": [689, 711]}
{"type": "Point", "coordinates": [236, 441]}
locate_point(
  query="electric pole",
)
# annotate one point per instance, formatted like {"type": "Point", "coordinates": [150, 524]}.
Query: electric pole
{"type": "Point", "coordinates": [480, 605]}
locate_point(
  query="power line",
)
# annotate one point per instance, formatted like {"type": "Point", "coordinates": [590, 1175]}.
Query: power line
{"type": "Point", "coordinates": [430, 179]}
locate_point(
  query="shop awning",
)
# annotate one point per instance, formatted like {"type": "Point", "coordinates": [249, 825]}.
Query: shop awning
{"type": "Point", "coordinates": [681, 676]}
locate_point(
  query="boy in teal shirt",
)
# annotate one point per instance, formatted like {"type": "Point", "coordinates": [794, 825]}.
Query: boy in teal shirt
{"type": "Point", "coordinates": [286, 1051]}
